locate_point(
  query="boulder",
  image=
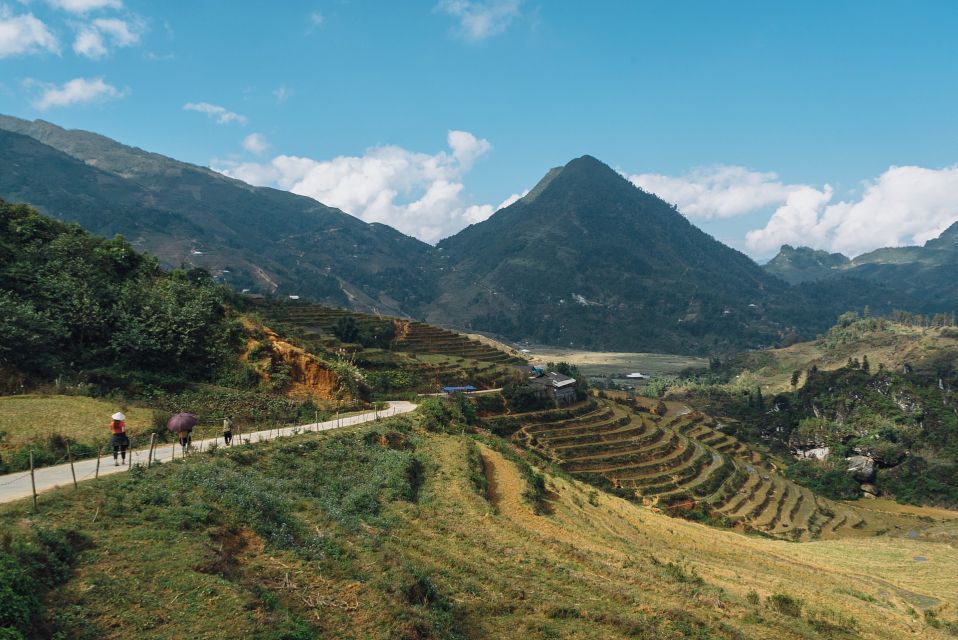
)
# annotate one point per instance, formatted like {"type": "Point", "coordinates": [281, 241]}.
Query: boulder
{"type": "Point", "coordinates": [862, 468]}
{"type": "Point", "coordinates": [869, 491]}
{"type": "Point", "coordinates": [818, 453]}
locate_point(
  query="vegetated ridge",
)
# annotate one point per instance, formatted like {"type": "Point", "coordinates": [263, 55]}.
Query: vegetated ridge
{"type": "Point", "coordinates": [925, 274]}
{"type": "Point", "coordinates": [585, 258]}
{"type": "Point", "coordinates": [588, 259]}
{"type": "Point", "coordinates": [868, 409]}
{"type": "Point", "coordinates": [248, 237]}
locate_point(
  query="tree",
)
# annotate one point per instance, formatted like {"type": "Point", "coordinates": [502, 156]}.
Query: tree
{"type": "Point", "coordinates": [796, 375]}
{"type": "Point", "coordinates": [346, 329]}
{"type": "Point", "coordinates": [866, 367]}
{"type": "Point", "coordinates": [759, 400]}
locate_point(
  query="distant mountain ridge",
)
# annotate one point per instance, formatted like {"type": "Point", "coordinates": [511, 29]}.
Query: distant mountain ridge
{"type": "Point", "coordinates": [251, 237]}
{"type": "Point", "coordinates": [802, 264]}
{"type": "Point", "coordinates": [584, 259]}
{"type": "Point", "coordinates": [926, 274]}
{"type": "Point", "coordinates": [588, 259]}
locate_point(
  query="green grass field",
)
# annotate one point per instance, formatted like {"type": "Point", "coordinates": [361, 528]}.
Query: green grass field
{"type": "Point", "coordinates": [30, 419]}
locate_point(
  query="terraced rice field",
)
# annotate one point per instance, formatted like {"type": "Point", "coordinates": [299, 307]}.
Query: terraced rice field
{"type": "Point", "coordinates": [412, 336]}
{"type": "Point", "coordinates": [687, 458]}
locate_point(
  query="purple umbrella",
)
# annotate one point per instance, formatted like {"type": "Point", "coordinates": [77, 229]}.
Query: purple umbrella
{"type": "Point", "coordinates": [181, 422]}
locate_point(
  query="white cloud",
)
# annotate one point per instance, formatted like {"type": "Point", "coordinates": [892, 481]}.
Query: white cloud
{"type": "Point", "coordinates": [481, 19]}
{"type": "Point", "coordinates": [479, 212]}
{"type": "Point", "coordinates": [83, 6]}
{"type": "Point", "coordinates": [76, 91]}
{"type": "Point", "coordinates": [92, 39]}
{"type": "Point", "coordinates": [24, 34]}
{"type": "Point", "coordinates": [255, 143]}
{"type": "Point", "coordinates": [903, 206]}
{"type": "Point", "coordinates": [221, 114]}
{"type": "Point", "coordinates": [795, 222]}
{"type": "Point", "coordinates": [317, 19]}
{"type": "Point", "coordinates": [418, 193]}
{"type": "Point", "coordinates": [89, 42]}
{"type": "Point", "coordinates": [720, 191]}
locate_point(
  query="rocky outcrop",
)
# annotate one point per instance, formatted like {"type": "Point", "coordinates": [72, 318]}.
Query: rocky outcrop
{"type": "Point", "coordinates": [816, 453]}
{"type": "Point", "coordinates": [869, 491]}
{"type": "Point", "coordinates": [862, 468]}
{"type": "Point", "coordinates": [308, 376]}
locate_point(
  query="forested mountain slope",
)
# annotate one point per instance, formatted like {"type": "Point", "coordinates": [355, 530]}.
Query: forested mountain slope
{"type": "Point", "coordinates": [588, 259]}
{"type": "Point", "coordinates": [249, 237]}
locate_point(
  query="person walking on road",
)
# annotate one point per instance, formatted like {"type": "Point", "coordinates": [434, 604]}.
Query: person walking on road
{"type": "Point", "coordinates": [227, 430]}
{"type": "Point", "coordinates": [119, 440]}
{"type": "Point", "coordinates": [186, 437]}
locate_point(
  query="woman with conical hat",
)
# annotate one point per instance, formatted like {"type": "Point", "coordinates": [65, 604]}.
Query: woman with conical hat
{"type": "Point", "coordinates": [119, 440]}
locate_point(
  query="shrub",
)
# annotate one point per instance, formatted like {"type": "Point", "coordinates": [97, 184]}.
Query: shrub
{"type": "Point", "coordinates": [825, 479]}
{"type": "Point", "coordinates": [521, 397]}
{"type": "Point", "coordinates": [30, 566]}
{"type": "Point", "coordinates": [785, 604]}
{"type": "Point", "coordinates": [477, 469]}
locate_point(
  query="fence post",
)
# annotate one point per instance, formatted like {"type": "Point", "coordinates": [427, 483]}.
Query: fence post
{"type": "Point", "coordinates": [33, 483]}
{"type": "Point", "coordinates": [149, 457]}
{"type": "Point", "coordinates": [99, 454]}
{"type": "Point", "coordinates": [72, 470]}
{"type": "Point", "coordinates": [129, 455]}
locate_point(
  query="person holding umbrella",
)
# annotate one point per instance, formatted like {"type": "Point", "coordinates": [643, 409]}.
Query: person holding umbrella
{"type": "Point", "coordinates": [119, 440]}
{"type": "Point", "coordinates": [182, 424]}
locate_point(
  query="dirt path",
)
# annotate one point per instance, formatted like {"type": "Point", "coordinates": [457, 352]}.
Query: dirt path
{"type": "Point", "coordinates": [505, 483]}
{"type": "Point", "coordinates": [506, 487]}
{"type": "Point", "coordinates": [16, 486]}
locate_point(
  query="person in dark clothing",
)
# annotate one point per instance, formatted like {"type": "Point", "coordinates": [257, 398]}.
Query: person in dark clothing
{"type": "Point", "coordinates": [119, 440]}
{"type": "Point", "coordinates": [227, 431]}
{"type": "Point", "coordinates": [186, 437]}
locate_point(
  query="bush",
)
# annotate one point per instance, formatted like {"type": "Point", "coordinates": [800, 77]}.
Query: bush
{"type": "Point", "coordinates": [829, 481]}
{"type": "Point", "coordinates": [785, 604]}
{"type": "Point", "coordinates": [521, 397]}
{"type": "Point", "coordinates": [477, 469]}
{"type": "Point", "coordinates": [30, 566]}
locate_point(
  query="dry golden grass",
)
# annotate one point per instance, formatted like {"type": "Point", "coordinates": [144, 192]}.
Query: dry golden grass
{"type": "Point", "coordinates": [599, 561]}
{"type": "Point", "coordinates": [594, 567]}
{"type": "Point", "coordinates": [773, 368]}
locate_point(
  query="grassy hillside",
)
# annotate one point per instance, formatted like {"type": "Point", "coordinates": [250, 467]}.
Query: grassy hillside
{"type": "Point", "coordinates": [870, 389]}
{"type": "Point", "coordinates": [886, 343]}
{"type": "Point", "coordinates": [28, 419]}
{"type": "Point", "coordinates": [389, 531]}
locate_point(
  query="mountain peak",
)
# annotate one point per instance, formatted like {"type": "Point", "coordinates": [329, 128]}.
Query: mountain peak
{"type": "Point", "coordinates": [803, 264]}
{"type": "Point", "coordinates": [588, 166]}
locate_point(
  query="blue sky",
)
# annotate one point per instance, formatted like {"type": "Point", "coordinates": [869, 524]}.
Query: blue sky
{"type": "Point", "coordinates": [823, 123]}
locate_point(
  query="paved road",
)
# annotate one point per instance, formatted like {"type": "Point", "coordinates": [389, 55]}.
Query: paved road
{"type": "Point", "coordinates": [16, 486]}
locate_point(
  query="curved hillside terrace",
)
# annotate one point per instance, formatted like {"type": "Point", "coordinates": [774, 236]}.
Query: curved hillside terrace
{"type": "Point", "coordinates": [412, 336]}
{"type": "Point", "coordinates": [687, 459]}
